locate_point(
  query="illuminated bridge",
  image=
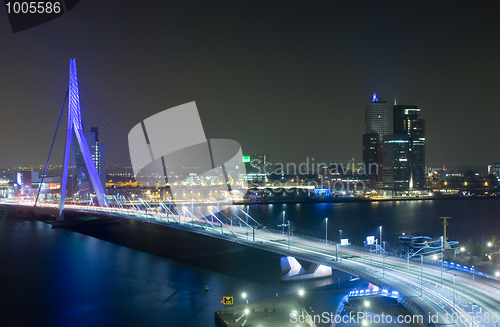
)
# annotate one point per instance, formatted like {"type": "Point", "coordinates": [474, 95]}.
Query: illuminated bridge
{"type": "Point", "coordinates": [456, 296]}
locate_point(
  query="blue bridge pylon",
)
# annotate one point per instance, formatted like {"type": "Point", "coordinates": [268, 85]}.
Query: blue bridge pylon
{"type": "Point", "coordinates": [75, 126]}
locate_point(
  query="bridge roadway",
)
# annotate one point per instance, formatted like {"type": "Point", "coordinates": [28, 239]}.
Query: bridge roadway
{"type": "Point", "coordinates": [419, 296]}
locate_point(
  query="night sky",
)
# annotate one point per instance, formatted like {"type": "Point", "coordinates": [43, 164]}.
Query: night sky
{"type": "Point", "coordinates": [286, 78]}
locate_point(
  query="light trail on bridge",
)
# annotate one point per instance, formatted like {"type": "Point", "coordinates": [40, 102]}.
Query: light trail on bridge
{"type": "Point", "coordinates": [388, 271]}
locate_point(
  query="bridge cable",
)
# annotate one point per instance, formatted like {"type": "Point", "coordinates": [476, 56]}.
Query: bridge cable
{"type": "Point", "coordinates": [51, 147]}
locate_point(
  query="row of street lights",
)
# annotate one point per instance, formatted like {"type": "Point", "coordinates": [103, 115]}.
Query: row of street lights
{"type": "Point", "coordinates": [326, 231]}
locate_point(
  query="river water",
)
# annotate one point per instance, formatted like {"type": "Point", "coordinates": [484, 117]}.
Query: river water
{"type": "Point", "coordinates": [140, 274]}
{"type": "Point", "coordinates": [475, 218]}
{"type": "Point", "coordinates": [130, 274]}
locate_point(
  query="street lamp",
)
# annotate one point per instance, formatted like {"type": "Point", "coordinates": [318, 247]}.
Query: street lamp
{"type": "Point", "coordinates": [340, 241]}
{"type": "Point", "coordinates": [326, 231]}
{"type": "Point", "coordinates": [443, 244]}
{"type": "Point", "coordinates": [301, 292]}
{"type": "Point", "coordinates": [289, 230]}
{"type": "Point", "coordinates": [283, 225]}
{"type": "Point", "coordinates": [244, 296]}
{"type": "Point", "coordinates": [473, 273]}
{"type": "Point", "coordinates": [381, 237]}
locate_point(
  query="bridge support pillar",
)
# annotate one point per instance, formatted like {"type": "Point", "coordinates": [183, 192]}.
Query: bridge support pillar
{"type": "Point", "coordinates": [75, 128]}
{"type": "Point", "coordinates": [60, 215]}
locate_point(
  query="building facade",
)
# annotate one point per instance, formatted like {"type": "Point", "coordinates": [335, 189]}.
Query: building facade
{"type": "Point", "coordinates": [376, 127]}
{"type": "Point", "coordinates": [80, 182]}
{"type": "Point", "coordinates": [404, 169]}
{"type": "Point", "coordinates": [396, 162]}
{"type": "Point", "coordinates": [370, 153]}
{"type": "Point", "coordinates": [494, 169]}
{"type": "Point", "coordinates": [377, 117]}
{"type": "Point", "coordinates": [258, 168]}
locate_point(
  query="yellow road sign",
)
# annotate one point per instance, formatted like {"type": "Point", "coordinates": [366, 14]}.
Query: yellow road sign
{"type": "Point", "coordinates": [227, 300]}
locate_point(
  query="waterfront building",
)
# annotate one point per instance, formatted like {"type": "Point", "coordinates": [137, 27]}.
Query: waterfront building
{"type": "Point", "coordinates": [27, 183]}
{"type": "Point", "coordinates": [98, 152]}
{"type": "Point", "coordinates": [494, 169]}
{"type": "Point", "coordinates": [396, 170]}
{"type": "Point", "coordinates": [406, 121]}
{"type": "Point", "coordinates": [258, 167]}
{"type": "Point", "coordinates": [370, 154]}
{"type": "Point", "coordinates": [376, 127]}
{"type": "Point", "coordinates": [406, 156]}
{"type": "Point", "coordinates": [377, 117]}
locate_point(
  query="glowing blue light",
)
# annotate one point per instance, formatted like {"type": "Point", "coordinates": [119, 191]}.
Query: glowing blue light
{"type": "Point", "coordinates": [75, 128]}
{"type": "Point", "coordinates": [374, 98]}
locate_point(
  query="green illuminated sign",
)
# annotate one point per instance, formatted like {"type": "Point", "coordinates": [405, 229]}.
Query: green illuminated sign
{"type": "Point", "coordinates": [246, 158]}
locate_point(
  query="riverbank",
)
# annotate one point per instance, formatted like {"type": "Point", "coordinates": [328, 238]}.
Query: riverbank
{"type": "Point", "coordinates": [353, 199]}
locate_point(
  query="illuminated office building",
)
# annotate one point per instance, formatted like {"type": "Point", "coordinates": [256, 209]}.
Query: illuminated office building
{"type": "Point", "coordinates": [376, 127]}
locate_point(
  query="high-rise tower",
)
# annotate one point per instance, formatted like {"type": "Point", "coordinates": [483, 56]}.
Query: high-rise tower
{"type": "Point", "coordinates": [377, 117]}
{"type": "Point", "coordinates": [376, 126]}
{"type": "Point", "coordinates": [75, 129]}
{"type": "Point", "coordinates": [405, 168]}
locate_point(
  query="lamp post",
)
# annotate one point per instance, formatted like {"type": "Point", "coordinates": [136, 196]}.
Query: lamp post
{"type": "Point", "coordinates": [289, 229]}
{"type": "Point", "coordinates": [443, 244]}
{"type": "Point", "coordinates": [473, 273]}
{"type": "Point", "coordinates": [326, 231]}
{"type": "Point", "coordinates": [283, 225]}
{"type": "Point", "coordinates": [383, 266]}
{"type": "Point", "coordinates": [340, 241]}
{"type": "Point", "coordinates": [380, 238]}
{"type": "Point", "coordinates": [442, 260]}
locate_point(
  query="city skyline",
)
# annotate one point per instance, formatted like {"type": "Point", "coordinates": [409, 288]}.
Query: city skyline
{"type": "Point", "coordinates": [282, 77]}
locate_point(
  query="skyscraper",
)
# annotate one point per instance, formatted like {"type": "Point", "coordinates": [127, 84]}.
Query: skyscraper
{"type": "Point", "coordinates": [98, 153]}
{"type": "Point", "coordinates": [376, 126]}
{"type": "Point", "coordinates": [396, 162]}
{"type": "Point", "coordinates": [377, 117]}
{"type": "Point", "coordinates": [409, 132]}
{"type": "Point", "coordinates": [371, 149]}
